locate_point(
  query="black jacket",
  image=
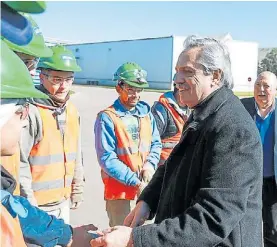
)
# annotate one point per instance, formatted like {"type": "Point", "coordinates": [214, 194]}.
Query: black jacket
{"type": "Point", "coordinates": [209, 192]}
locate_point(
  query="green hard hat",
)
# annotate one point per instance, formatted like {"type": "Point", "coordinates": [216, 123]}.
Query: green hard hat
{"type": "Point", "coordinates": [36, 47]}
{"type": "Point", "coordinates": [63, 59]}
{"type": "Point", "coordinates": [132, 74]}
{"type": "Point", "coordinates": [16, 81]}
{"type": "Point", "coordinates": [34, 7]}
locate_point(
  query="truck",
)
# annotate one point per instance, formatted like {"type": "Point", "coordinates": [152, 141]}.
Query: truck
{"type": "Point", "coordinates": [158, 56]}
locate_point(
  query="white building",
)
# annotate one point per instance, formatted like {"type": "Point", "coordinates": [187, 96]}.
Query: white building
{"type": "Point", "coordinates": [158, 56]}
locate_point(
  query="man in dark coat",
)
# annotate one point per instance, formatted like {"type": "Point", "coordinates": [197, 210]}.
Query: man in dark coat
{"type": "Point", "coordinates": [209, 192]}
{"type": "Point", "coordinates": [262, 109]}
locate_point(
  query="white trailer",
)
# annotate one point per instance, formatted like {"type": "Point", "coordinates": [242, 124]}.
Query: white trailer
{"type": "Point", "coordinates": [158, 56]}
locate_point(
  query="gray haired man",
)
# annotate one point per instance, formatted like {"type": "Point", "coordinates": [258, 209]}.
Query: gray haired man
{"type": "Point", "coordinates": [209, 191]}
{"type": "Point", "coordinates": [262, 109]}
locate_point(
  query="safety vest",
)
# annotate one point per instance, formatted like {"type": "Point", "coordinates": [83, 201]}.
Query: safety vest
{"type": "Point", "coordinates": [11, 163]}
{"type": "Point", "coordinates": [169, 143]}
{"type": "Point", "coordinates": [53, 159]}
{"type": "Point", "coordinates": [10, 234]}
{"type": "Point", "coordinates": [131, 154]}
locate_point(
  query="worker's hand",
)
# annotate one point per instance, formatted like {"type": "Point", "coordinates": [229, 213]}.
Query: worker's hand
{"type": "Point", "coordinates": [140, 188]}
{"type": "Point", "coordinates": [76, 200]}
{"type": "Point", "coordinates": [138, 215]}
{"type": "Point", "coordinates": [147, 173]}
{"type": "Point", "coordinates": [75, 205]}
{"type": "Point", "coordinates": [118, 236]}
{"type": "Point", "coordinates": [81, 237]}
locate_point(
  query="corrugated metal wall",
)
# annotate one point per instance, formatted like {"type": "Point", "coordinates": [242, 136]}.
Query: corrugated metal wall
{"type": "Point", "coordinates": [99, 61]}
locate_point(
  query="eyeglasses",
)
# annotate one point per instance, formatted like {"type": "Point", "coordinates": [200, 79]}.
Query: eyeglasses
{"type": "Point", "coordinates": [56, 80]}
{"type": "Point", "coordinates": [132, 90]}
{"type": "Point", "coordinates": [31, 63]}
{"type": "Point", "coordinates": [23, 111]}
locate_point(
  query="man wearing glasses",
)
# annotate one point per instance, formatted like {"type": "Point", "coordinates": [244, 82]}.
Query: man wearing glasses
{"type": "Point", "coordinates": [127, 143]}
{"type": "Point", "coordinates": [51, 172]}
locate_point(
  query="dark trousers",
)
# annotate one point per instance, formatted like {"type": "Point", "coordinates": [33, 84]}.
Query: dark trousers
{"type": "Point", "coordinates": [270, 212]}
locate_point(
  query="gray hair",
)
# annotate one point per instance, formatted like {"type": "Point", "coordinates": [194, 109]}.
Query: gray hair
{"type": "Point", "coordinates": [214, 56]}
{"type": "Point", "coordinates": [269, 75]}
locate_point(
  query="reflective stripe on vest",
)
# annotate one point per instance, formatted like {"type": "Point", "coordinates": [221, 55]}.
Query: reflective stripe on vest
{"type": "Point", "coordinates": [49, 159]}
{"type": "Point", "coordinates": [130, 154]}
{"type": "Point", "coordinates": [10, 234]}
{"type": "Point", "coordinates": [132, 150]}
{"type": "Point", "coordinates": [56, 184]}
{"type": "Point", "coordinates": [11, 163]}
{"type": "Point", "coordinates": [53, 159]}
{"type": "Point", "coordinates": [169, 143]}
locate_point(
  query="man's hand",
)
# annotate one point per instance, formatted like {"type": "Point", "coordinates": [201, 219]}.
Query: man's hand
{"type": "Point", "coordinates": [81, 237]}
{"type": "Point", "coordinates": [76, 200]}
{"type": "Point", "coordinates": [147, 173]}
{"type": "Point", "coordinates": [138, 215]}
{"type": "Point", "coordinates": [118, 236]}
{"type": "Point", "coordinates": [75, 205]}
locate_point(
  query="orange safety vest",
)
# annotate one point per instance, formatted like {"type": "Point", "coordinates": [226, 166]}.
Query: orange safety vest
{"type": "Point", "coordinates": [53, 159]}
{"type": "Point", "coordinates": [169, 143]}
{"type": "Point", "coordinates": [10, 234]}
{"type": "Point", "coordinates": [11, 163]}
{"type": "Point", "coordinates": [127, 151]}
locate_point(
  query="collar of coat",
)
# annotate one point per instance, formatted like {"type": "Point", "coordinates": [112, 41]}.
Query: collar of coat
{"type": "Point", "coordinates": [211, 104]}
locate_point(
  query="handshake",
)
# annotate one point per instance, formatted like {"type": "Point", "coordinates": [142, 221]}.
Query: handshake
{"type": "Point", "coordinates": [121, 236]}
{"type": "Point", "coordinates": [118, 236]}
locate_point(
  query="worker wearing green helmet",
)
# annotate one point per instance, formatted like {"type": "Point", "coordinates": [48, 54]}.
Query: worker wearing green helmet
{"type": "Point", "coordinates": [52, 140]}
{"type": "Point", "coordinates": [130, 77]}
{"type": "Point", "coordinates": [132, 74]}
{"type": "Point", "coordinates": [11, 85]}
{"type": "Point", "coordinates": [36, 226]}
{"type": "Point", "coordinates": [16, 85]}
{"type": "Point", "coordinates": [127, 143]}
{"type": "Point", "coordinates": [31, 52]}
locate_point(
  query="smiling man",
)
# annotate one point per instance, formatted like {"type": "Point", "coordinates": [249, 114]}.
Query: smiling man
{"type": "Point", "coordinates": [209, 191]}
{"type": "Point", "coordinates": [262, 109]}
{"type": "Point", "coordinates": [51, 170]}
{"type": "Point", "coordinates": [127, 143]}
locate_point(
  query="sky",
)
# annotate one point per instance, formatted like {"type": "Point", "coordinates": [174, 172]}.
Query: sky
{"type": "Point", "coordinates": [107, 21]}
